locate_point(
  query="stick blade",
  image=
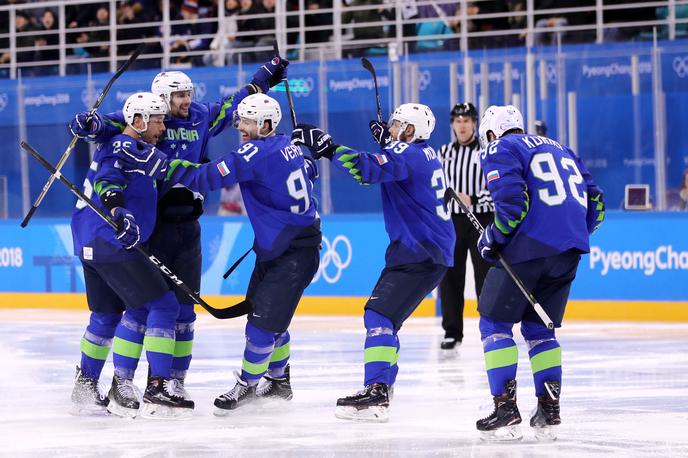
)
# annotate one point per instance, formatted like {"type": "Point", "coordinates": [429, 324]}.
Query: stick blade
{"type": "Point", "coordinates": [367, 65]}
{"type": "Point", "coordinates": [448, 196]}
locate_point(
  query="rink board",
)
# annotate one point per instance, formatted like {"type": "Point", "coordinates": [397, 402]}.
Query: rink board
{"type": "Point", "coordinates": [636, 270]}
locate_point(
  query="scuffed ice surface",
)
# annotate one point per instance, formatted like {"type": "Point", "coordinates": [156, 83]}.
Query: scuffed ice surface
{"type": "Point", "coordinates": [625, 393]}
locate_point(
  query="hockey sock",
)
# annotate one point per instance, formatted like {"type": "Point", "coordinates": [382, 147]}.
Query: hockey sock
{"type": "Point", "coordinates": [257, 354]}
{"type": "Point", "coordinates": [501, 353]}
{"type": "Point", "coordinates": [381, 348]}
{"type": "Point", "coordinates": [545, 355]}
{"type": "Point", "coordinates": [394, 369]}
{"type": "Point", "coordinates": [128, 343]}
{"type": "Point", "coordinates": [184, 334]}
{"type": "Point", "coordinates": [96, 342]}
{"type": "Point", "coordinates": [280, 355]}
{"type": "Point", "coordinates": [159, 340]}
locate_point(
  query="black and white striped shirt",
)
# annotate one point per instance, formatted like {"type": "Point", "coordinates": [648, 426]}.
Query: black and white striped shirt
{"type": "Point", "coordinates": [462, 170]}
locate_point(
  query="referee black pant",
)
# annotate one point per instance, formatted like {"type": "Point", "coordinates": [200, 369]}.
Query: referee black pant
{"type": "Point", "coordinates": [452, 285]}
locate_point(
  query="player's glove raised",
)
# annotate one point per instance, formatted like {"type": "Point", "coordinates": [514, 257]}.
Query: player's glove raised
{"type": "Point", "coordinates": [83, 127]}
{"type": "Point", "coordinates": [319, 142]}
{"type": "Point", "coordinates": [142, 158]}
{"type": "Point", "coordinates": [270, 74]}
{"type": "Point", "coordinates": [380, 133]}
{"type": "Point", "coordinates": [486, 245]}
{"type": "Point", "coordinates": [128, 232]}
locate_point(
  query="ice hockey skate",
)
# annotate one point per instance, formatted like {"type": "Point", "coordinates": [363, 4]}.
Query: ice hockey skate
{"type": "Point", "coordinates": [503, 423]}
{"type": "Point", "coordinates": [276, 388]}
{"type": "Point", "coordinates": [371, 404]}
{"type": "Point", "coordinates": [163, 400]}
{"type": "Point", "coordinates": [449, 347]}
{"type": "Point", "coordinates": [241, 394]}
{"type": "Point", "coordinates": [124, 399]}
{"type": "Point", "coordinates": [546, 417]}
{"type": "Point", "coordinates": [87, 398]}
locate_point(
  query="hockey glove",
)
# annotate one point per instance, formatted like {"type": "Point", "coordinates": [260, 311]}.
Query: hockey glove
{"type": "Point", "coordinates": [319, 142]}
{"type": "Point", "coordinates": [380, 133]}
{"type": "Point", "coordinates": [270, 74]}
{"type": "Point", "coordinates": [142, 158]}
{"type": "Point", "coordinates": [82, 127]}
{"type": "Point", "coordinates": [486, 245]}
{"type": "Point", "coordinates": [127, 230]}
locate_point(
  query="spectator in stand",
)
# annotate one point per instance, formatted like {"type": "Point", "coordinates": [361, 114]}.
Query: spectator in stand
{"type": "Point", "coordinates": [444, 23]}
{"type": "Point", "coordinates": [318, 20]}
{"type": "Point", "coordinates": [49, 38]}
{"type": "Point", "coordinates": [248, 8]}
{"type": "Point", "coordinates": [22, 24]}
{"type": "Point", "coordinates": [225, 37]}
{"type": "Point", "coordinates": [377, 12]}
{"type": "Point", "coordinates": [184, 37]}
{"type": "Point", "coordinates": [266, 30]}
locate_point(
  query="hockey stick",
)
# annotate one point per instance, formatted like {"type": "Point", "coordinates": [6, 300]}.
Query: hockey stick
{"type": "Point", "coordinates": [449, 194]}
{"type": "Point", "coordinates": [275, 47]}
{"type": "Point", "coordinates": [231, 312]}
{"type": "Point", "coordinates": [70, 147]}
{"type": "Point", "coordinates": [369, 66]}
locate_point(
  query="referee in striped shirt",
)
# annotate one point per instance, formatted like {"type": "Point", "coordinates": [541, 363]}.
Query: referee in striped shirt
{"type": "Point", "coordinates": [461, 163]}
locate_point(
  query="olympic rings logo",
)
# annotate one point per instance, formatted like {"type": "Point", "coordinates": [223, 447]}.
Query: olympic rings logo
{"type": "Point", "coordinates": [551, 71]}
{"type": "Point", "coordinates": [335, 257]}
{"type": "Point", "coordinates": [680, 66]}
{"type": "Point", "coordinates": [424, 79]}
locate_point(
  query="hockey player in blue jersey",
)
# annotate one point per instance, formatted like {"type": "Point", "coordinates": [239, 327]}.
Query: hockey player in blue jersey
{"type": "Point", "coordinates": [546, 206]}
{"type": "Point", "coordinates": [176, 239]}
{"type": "Point", "coordinates": [421, 239]}
{"type": "Point", "coordinates": [119, 279]}
{"type": "Point", "coordinates": [276, 181]}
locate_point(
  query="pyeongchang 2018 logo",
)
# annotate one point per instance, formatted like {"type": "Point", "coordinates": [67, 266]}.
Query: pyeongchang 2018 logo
{"type": "Point", "coordinates": [664, 257]}
{"type": "Point", "coordinates": [680, 66]}
{"type": "Point", "coordinates": [334, 258]}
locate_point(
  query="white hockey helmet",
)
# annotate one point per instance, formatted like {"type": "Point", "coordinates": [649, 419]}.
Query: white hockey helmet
{"type": "Point", "coordinates": [165, 83]}
{"type": "Point", "coordinates": [416, 114]}
{"type": "Point", "coordinates": [260, 108]}
{"type": "Point", "coordinates": [145, 104]}
{"type": "Point", "coordinates": [499, 119]}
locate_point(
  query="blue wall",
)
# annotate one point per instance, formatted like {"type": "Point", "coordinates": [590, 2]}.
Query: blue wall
{"type": "Point", "coordinates": [634, 256]}
{"type": "Point", "coordinates": [616, 133]}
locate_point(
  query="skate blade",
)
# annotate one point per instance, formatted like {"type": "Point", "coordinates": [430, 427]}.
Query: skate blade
{"type": "Point", "coordinates": [503, 434]}
{"type": "Point", "coordinates": [376, 414]}
{"type": "Point", "coordinates": [545, 433]}
{"type": "Point", "coordinates": [88, 410]}
{"type": "Point", "coordinates": [449, 354]}
{"type": "Point", "coordinates": [121, 411]}
{"type": "Point", "coordinates": [152, 411]}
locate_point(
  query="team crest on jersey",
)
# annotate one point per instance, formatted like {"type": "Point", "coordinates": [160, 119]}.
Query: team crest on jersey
{"type": "Point", "coordinates": [222, 167]}
{"type": "Point", "coordinates": [493, 175]}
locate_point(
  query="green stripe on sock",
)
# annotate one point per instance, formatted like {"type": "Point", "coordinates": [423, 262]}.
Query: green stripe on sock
{"type": "Point", "coordinates": [254, 369]}
{"type": "Point", "coordinates": [501, 358]}
{"type": "Point", "coordinates": [380, 354]}
{"type": "Point", "coordinates": [545, 360]}
{"type": "Point", "coordinates": [94, 351]}
{"type": "Point", "coordinates": [159, 344]}
{"type": "Point", "coordinates": [127, 348]}
{"type": "Point", "coordinates": [182, 348]}
{"type": "Point", "coordinates": [396, 357]}
{"type": "Point", "coordinates": [280, 353]}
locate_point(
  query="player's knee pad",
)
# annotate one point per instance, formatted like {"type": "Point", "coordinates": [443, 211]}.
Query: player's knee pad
{"type": "Point", "coordinates": [489, 328]}
{"type": "Point", "coordinates": [104, 324]}
{"type": "Point", "coordinates": [377, 324]}
{"type": "Point", "coordinates": [536, 333]}
{"type": "Point", "coordinates": [186, 313]}
{"type": "Point", "coordinates": [259, 338]}
{"type": "Point", "coordinates": [166, 305]}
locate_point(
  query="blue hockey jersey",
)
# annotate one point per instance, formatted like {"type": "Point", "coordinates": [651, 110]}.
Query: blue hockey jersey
{"type": "Point", "coordinates": [276, 182]}
{"type": "Point", "coordinates": [94, 239]}
{"type": "Point", "coordinates": [413, 185]}
{"type": "Point", "coordinates": [185, 138]}
{"type": "Point", "coordinates": [545, 199]}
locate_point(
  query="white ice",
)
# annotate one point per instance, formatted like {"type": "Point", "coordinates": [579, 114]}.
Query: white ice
{"type": "Point", "coordinates": [625, 393]}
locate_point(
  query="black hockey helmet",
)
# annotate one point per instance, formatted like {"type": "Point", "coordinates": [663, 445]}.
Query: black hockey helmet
{"type": "Point", "coordinates": [464, 109]}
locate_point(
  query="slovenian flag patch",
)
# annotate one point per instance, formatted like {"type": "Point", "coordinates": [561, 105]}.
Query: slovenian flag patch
{"type": "Point", "coordinates": [222, 167]}
{"type": "Point", "coordinates": [381, 159]}
{"type": "Point", "coordinates": [493, 175]}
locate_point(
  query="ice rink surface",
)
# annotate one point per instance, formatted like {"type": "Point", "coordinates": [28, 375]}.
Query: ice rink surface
{"type": "Point", "coordinates": [625, 393]}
